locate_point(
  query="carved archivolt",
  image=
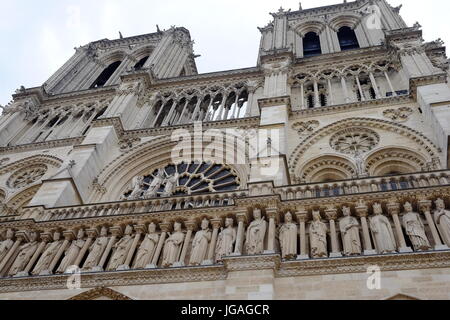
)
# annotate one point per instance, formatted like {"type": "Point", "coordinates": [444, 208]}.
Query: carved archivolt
{"type": "Point", "coordinates": [50, 161]}
{"type": "Point", "coordinates": [347, 19]}
{"type": "Point", "coordinates": [327, 168]}
{"type": "Point", "coordinates": [309, 25]}
{"type": "Point", "coordinates": [144, 159]}
{"type": "Point", "coordinates": [428, 147]}
{"type": "Point", "coordinates": [23, 198]}
{"type": "Point", "coordinates": [2, 196]}
{"type": "Point", "coordinates": [394, 160]}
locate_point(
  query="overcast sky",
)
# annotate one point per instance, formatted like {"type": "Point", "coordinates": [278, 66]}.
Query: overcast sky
{"type": "Point", "coordinates": [39, 36]}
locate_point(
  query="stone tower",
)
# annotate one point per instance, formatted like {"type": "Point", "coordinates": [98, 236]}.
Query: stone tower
{"type": "Point", "coordinates": [328, 156]}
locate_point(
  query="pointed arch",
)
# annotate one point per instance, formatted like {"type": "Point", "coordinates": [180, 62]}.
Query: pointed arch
{"type": "Point", "coordinates": [394, 160]}
{"type": "Point", "coordinates": [145, 158]}
{"type": "Point", "coordinates": [295, 160]}
{"type": "Point", "coordinates": [327, 168]}
{"type": "Point", "coordinates": [101, 294]}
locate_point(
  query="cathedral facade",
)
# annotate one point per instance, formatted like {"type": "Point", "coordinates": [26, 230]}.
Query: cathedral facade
{"type": "Point", "coordinates": [321, 173]}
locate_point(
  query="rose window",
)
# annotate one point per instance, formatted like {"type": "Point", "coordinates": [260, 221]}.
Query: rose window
{"type": "Point", "coordinates": [354, 141]}
{"type": "Point", "coordinates": [183, 179]}
{"type": "Point", "coordinates": [27, 176]}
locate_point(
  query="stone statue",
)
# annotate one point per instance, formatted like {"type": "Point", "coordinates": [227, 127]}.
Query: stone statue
{"type": "Point", "coordinates": [152, 191]}
{"type": "Point", "coordinates": [6, 244]}
{"type": "Point", "coordinates": [226, 240]}
{"type": "Point", "coordinates": [136, 185]}
{"type": "Point", "coordinates": [256, 233]}
{"type": "Point", "coordinates": [147, 249]}
{"type": "Point", "coordinates": [49, 254]}
{"type": "Point", "coordinates": [121, 249]}
{"type": "Point", "coordinates": [382, 231]}
{"type": "Point", "coordinates": [318, 237]}
{"type": "Point", "coordinates": [26, 252]}
{"type": "Point", "coordinates": [172, 246]}
{"type": "Point", "coordinates": [359, 161]}
{"type": "Point", "coordinates": [171, 184]}
{"type": "Point", "coordinates": [349, 227]}
{"type": "Point", "coordinates": [200, 244]}
{"type": "Point", "coordinates": [96, 250]}
{"type": "Point", "coordinates": [288, 238]}
{"type": "Point", "coordinates": [72, 252]}
{"type": "Point", "coordinates": [442, 219]}
{"type": "Point", "coordinates": [415, 229]}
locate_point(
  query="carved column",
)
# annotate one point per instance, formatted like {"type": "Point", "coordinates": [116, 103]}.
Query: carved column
{"type": "Point", "coordinates": [165, 227]}
{"type": "Point", "coordinates": [374, 86]}
{"type": "Point", "coordinates": [272, 215]}
{"type": "Point", "coordinates": [332, 216]}
{"type": "Point", "coordinates": [302, 217]}
{"type": "Point", "coordinates": [394, 210]}
{"type": "Point", "coordinates": [425, 207]}
{"type": "Point", "coordinates": [191, 226]}
{"type": "Point", "coordinates": [139, 231]}
{"type": "Point", "coordinates": [363, 212]}
{"type": "Point", "coordinates": [92, 233]}
{"type": "Point", "coordinates": [46, 238]}
{"type": "Point", "coordinates": [316, 94]}
{"type": "Point", "coordinates": [330, 93]}
{"type": "Point", "coordinates": [242, 221]}
{"type": "Point", "coordinates": [20, 238]}
{"type": "Point", "coordinates": [116, 232]}
{"type": "Point", "coordinates": [394, 94]}
{"type": "Point", "coordinates": [68, 237]}
{"type": "Point", "coordinates": [216, 223]}
{"type": "Point", "coordinates": [345, 89]}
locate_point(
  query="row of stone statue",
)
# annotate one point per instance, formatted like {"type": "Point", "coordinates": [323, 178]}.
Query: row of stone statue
{"type": "Point", "coordinates": [145, 247]}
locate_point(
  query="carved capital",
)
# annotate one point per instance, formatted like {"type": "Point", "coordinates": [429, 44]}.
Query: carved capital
{"type": "Point", "coordinates": [116, 231]}
{"type": "Point", "coordinates": [216, 223]}
{"type": "Point", "coordinates": [92, 233]}
{"type": "Point", "coordinates": [46, 237]}
{"type": "Point", "coordinates": [165, 227]}
{"type": "Point", "coordinates": [393, 208]}
{"type": "Point", "coordinates": [190, 225]}
{"type": "Point", "coordinates": [331, 214]}
{"type": "Point", "coordinates": [425, 205]}
{"type": "Point", "coordinates": [69, 235]}
{"type": "Point", "coordinates": [140, 229]}
{"type": "Point", "coordinates": [302, 217]}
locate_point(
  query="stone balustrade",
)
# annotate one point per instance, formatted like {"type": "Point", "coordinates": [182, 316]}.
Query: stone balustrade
{"type": "Point", "coordinates": [365, 185]}
{"type": "Point", "coordinates": [135, 207]}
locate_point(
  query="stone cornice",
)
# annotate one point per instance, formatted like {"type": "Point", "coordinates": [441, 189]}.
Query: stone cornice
{"type": "Point", "coordinates": [426, 80]}
{"type": "Point", "coordinates": [369, 104]}
{"type": "Point", "coordinates": [120, 278]}
{"type": "Point", "coordinates": [229, 75]}
{"type": "Point", "coordinates": [42, 145]}
{"type": "Point", "coordinates": [335, 8]}
{"type": "Point", "coordinates": [391, 262]}
{"type": "Point", "coordinates": [245, 263]}
{"type": "Point", "coordinates": [141, 133]}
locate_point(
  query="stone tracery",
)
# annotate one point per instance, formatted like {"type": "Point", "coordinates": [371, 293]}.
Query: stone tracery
{"type": "Point", "coordinates": [183, 179]}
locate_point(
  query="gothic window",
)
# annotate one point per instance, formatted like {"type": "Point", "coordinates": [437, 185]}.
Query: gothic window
{"type": "Point", "coordinates": [183, 179]}
{"type": "Point", "coordinates": [105, 75]}
{"type": "Point", "coordinates": [347, 39]}
{"type": "Point", "coordinates": [311, 45]}
{"type": "Point", "coordinates": [26, 176]}
{"type": "Point", "coordinates": [141, 63]}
